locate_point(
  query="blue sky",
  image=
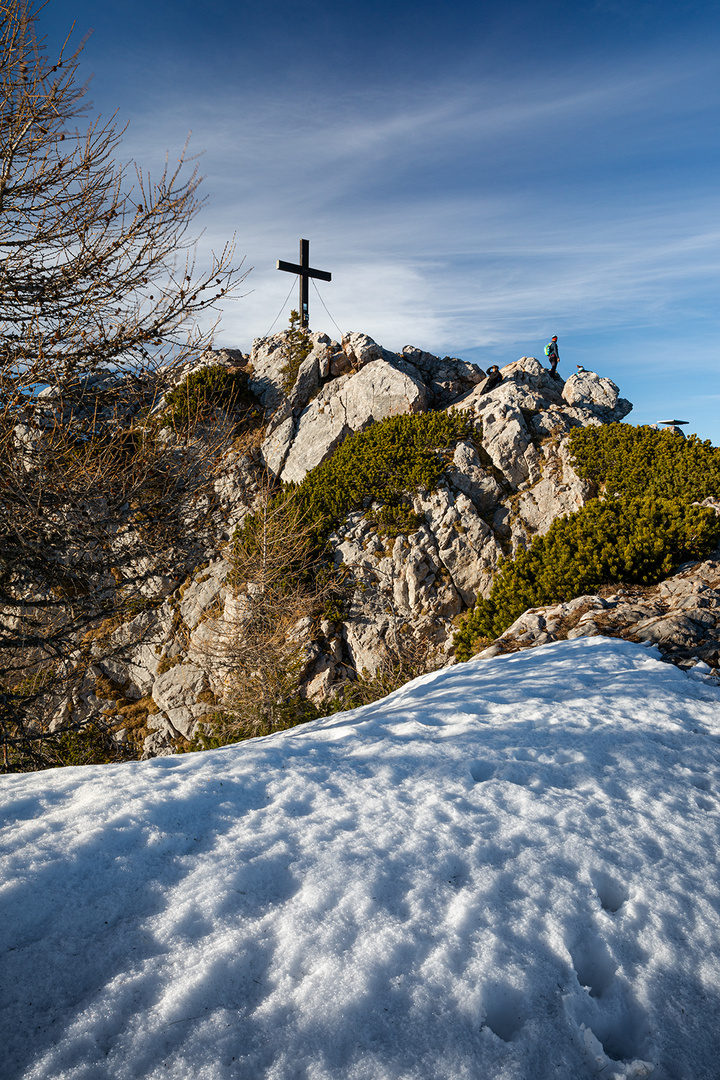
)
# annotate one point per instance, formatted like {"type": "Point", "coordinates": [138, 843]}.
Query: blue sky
{"type": "Point", "coordinates": [477, 176]}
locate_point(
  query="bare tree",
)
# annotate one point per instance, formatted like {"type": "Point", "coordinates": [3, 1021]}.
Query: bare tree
{"type": "Point", "coordinates": [98, 295]}
{"type": "Point", "coordinates": [90, 272]}
{"type": "Point", "coordinates": [280, 587]}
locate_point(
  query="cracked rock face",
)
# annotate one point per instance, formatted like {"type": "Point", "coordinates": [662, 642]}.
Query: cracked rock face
{"type": "Point", "coordinates": [176, 693]}
{"type": "Point", "coordinates": [526, 384]}
{"type": "Point", "coordinates": [507, 441]}
{"type": "Point", "coordinates": [467, 474]}
{"type": "Point", "coordinates": [349, 404]}
{"type": "Point", "coordinates": [341, 388]}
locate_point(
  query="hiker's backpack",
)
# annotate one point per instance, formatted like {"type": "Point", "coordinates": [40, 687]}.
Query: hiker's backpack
{"type": "Point", "coordinates": [547, 350]}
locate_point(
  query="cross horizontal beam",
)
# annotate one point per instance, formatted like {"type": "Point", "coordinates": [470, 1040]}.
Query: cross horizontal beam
{"type": "Point", "coordinates": [294, 268]}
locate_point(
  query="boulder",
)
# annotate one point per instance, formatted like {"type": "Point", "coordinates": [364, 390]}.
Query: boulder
{"type": "Point", "coordinates": [379, 391]}
{"type": "Point", "coordinates": [467, 474]}
{"type": "Point", "coordinates": [321, 428]}
{"type": "Point", "coordinates": [601, 397]}
{"type": "Point", "coordinates": [361, 349]}
{"type": "Point", "coordinates": [526, 384]}
{"type": "Point", "coordinates": [206, 588]}
{"type": "Point", "coordinates": [267, 377]}
{"type": "Point", "coordinates": [673, 629]}
{"type": "Point", "coordinates": [447, 380]}
{"type": "Point", "coordinates": [278, 440]}
{"type": "Point", "coordinates": [176, 694]}
{"type": "Point", "coordinates": [349, 404]}
{"type": "Point", "coordinates": [307, 380]}
{"type": "Point", "coordinates": [506, 440]}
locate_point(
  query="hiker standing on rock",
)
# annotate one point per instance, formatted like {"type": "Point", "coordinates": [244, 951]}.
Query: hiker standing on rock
{"type": "Point", "coordinates": [551, 351]}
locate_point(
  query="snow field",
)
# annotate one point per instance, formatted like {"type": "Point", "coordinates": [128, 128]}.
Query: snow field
{"type": "Point", "coordinates": [506, 869]}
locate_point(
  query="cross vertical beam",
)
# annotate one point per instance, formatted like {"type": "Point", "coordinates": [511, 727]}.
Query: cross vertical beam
{"type": "Point", "coordinates": [304, 282]}
{"type": "Point", "coordinates": [305, 272]}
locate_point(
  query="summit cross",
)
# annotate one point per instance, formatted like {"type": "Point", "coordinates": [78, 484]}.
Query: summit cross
{"type": "Point", "coordinates": [306, 272]}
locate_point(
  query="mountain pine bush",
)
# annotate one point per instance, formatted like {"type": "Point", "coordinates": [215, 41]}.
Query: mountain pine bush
{"type": "Point", "coordinates": [638, 461]}
{"type": "Point", "coordinates": [298, 345]}
{"type": "Point", "coordinates": [203, 391]}
{"type": "Point", "coordinates": [385, 464]}
{"type": "Point", "coordinates": [639, 533]}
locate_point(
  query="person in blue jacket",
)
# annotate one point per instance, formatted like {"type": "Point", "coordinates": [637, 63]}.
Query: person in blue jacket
{"type": "Point", "coordinates": [551, 351]}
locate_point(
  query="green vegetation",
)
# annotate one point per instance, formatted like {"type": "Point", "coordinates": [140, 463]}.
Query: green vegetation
{"type": "Point", "coordinates": [385, 464]}
{"type": "Point", "coordinates": [223, 728]}
{"type": "Point", "coordinates": [408, 658]}
{"type": "Point", "coordinates": [204, 391]}
{"type": "Point", "coordinates": [90, 744]}
{"type": "Point", "coordinates": [298, 345]}
{"type": "Point", "coordinates": [29, 747]}
{"type": "Point", "coordinates": [279, 570]}
{"type": "Point", "coordinates": [639, 461]}
{"type": "Point", "coordinates": [642, 529]}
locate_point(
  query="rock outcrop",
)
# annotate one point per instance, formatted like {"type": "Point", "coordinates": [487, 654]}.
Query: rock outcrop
{"type": "Point", "coordinates": [342, 388]}
{"type": "Point", "coordinates": [169, 664]}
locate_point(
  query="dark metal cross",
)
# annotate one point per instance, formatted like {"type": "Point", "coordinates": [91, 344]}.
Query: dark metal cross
{"type": "Point", "coordinates": [305, 271]}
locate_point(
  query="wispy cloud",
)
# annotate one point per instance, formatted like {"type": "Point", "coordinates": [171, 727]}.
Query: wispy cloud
{"type": "Point", "coordinates": [469, 217]}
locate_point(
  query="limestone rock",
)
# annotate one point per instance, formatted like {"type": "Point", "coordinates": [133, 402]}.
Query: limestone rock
{"type": "Point", "coordinates": [506, 439]}
{"type": "Point", "coordinates": [205, 589]}
{"type": "Point", "coordinates": [680, 616]}
{"type": "Point", "coordinates": [279, 437]}
{"type": "Point", "coordinates": [673, 630]}
{"type": "Point", "coordinates": [176, 694]}
{"type": "Point", "coordinates": [526, 384]}
{"type": "Point", "coordinates": [467, 474]}
{"type": "Point", "coordinates": [379, 391]}
{"type": "Point", "coordinates": [267, 377]}
{"type": "Point", "coordinates": [361, 349]}
{"type": "Point", "coordinates": [501, 488]}
{"type": "Point", "coordinates": [267, 360]}
{"type": "Point", "coordinates": [349, 404]}
{"type": "Point", "coordinates": [340, 364]}
{"type": "Point", "coordinates": [365, 641]}
{"type": "Point", "coordinates": [321, 428]}
{"type": "Point", "coordinates": [447, 380]}
{"type": "Point", "coordinates": [599, 396]}
{"type": "Point", "coordinates": [307, 381]}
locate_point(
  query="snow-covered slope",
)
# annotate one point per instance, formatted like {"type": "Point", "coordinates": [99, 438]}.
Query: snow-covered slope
{"type": "Point", "coordinates": [506, 869]}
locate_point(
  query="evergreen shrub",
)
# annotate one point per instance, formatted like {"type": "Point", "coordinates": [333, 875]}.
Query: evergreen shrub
{"type": "Point", "coordinates": [385, 464]}
{"type": "Point", "coordinates": [639, 461]}
{"type": "Point", "coordinates": [223, 728]}
{"type": "Point", "coordinates": [205, 390]}
{"type": "Point", "coordinates": [639, 540]}
{"type": "Point", "coordinates": [298, 345]}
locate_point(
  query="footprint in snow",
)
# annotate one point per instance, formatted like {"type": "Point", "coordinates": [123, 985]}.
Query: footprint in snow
{"type": "Point", "coordinates": [481, 771]}
{"type": "Point", "coordinates": [611, 892]}
{"type": "Point", "coordinates": [594, 966]}
{"type": "Point", "coordinates": [506, 1010]}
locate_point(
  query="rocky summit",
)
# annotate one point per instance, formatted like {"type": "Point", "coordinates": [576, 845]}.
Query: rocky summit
{"type": "Point", "coordinates": [169, 664]}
